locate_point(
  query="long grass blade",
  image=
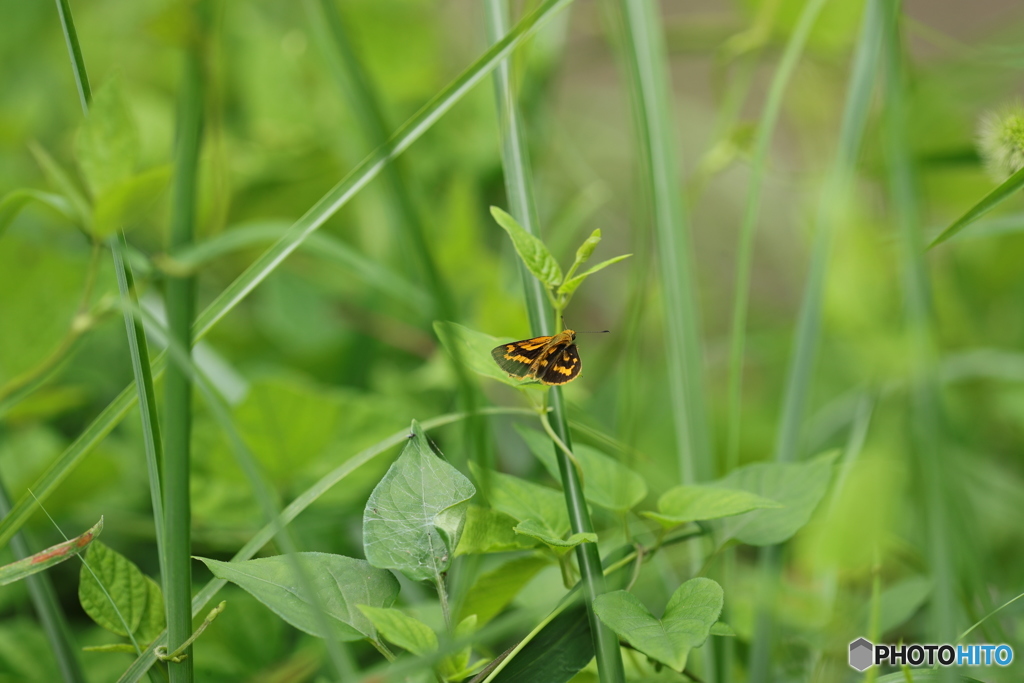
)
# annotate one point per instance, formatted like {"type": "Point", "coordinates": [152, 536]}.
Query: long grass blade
{"type": "Point", "coordinates": [518, 187]}
{"type": "Point", "coordinates": [745, 251]}
{"type": "Point", "coordinates": [645, 57]}
{"type": "Point", "coordinates": [1007, 189]}
{"type": "Point", "coordinates": [808, 332]}
{"type": "Point", "coordinates": [261, 269]}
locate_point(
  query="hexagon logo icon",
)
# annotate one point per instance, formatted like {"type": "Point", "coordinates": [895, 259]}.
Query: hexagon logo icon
{"type": "Point", "coordinates": [861, 651]}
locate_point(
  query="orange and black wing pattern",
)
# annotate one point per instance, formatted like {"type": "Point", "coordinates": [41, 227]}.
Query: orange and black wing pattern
{"type": "Point", "coordinates": [563, 366]}
{"type": "Point", "coordinates": [549, 360]}
{"type": "Point", "coordinates": [516, 358]}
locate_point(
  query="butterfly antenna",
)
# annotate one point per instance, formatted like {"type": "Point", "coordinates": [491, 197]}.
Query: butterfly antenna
{"type": "Point", "coordinates": [593, 332]}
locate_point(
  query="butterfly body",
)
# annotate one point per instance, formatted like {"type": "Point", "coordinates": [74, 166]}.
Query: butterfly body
{"type": "Point", "coordinates": [549, 360]}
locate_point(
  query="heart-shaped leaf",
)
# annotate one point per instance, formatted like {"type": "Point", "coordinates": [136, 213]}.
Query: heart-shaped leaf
{"type": "Point", "coordinates": [683, 504]}
{"type": "Point", "coordinates": [691, 612]}
{"type": "Point", "coordinates": [415, 515]}
{"type": "Point", "coordinates": [107, 572]}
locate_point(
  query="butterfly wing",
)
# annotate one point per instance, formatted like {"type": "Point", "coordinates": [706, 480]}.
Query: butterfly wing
{"type": "Point", "coordinates": [516, 358]}
{"type": "Point", "coordinates": [562, 367]}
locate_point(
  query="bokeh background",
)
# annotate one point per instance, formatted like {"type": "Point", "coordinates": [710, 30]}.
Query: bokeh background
{"type": "Point", "coordinates": [336, 350]}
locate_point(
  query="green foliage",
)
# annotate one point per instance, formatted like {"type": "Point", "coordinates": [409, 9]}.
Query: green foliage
{"type": "Point", "coordinates": [415, 515]}
{"type": "Point", "coordinates": [689, 615]}
{"type": "Point", "coordinates": [44, 559]}
{"type": "Point", "coordinates": [495, 589]}
{"type": "Point", "coordinates": [402, 630]}
{"type": "Point", "coordinates": [339, 583]}
{"type": "Point", "coordinates": [538, 259]}
{"type": "Point", "coordinates": [606, 482]}
{"type": "Point", "coordinates": [118, 596]}
{"type": "Point", "coordinates": [107, 144]}
{"type": "Point", "coordinates": [682, 504]}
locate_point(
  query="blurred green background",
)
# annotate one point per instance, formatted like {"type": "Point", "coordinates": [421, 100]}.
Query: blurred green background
{"type": "Point", "coordinates": [326, 358]}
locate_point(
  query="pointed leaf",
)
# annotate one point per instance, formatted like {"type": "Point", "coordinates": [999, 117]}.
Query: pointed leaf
{"type": "Point", "coordinates": [691, 612]}
{"type": "Point", "coordinates": [414, 517]}
{"type": "Point", "coordinates": [489, 531]}
{"type": "Point", "coordinates": [339, 584]}
{"type": "Point", "coordinates": [125, 584]}
{"type": "Point", "coordinates": [720, 628]}
{"type": "Point", "coordinates": [474, 348]}
{"type": "Point", "coordinates": [531, 250]}
{"type": "Point", "coordinates": [572, 285]}
{"type": "Point", "coordinates": [107, 144]}
{"type": "Point", "coordinates": [799, 487]}
{"type": "Point", "coordinates": [683, 504]}
{"type": "Point", "coordinates": [402, 630]}
{"type": "Point", "coordinates": [587, 248]}
{"type": "Point", "coordinates": [1007, 189]}
{"type": "Point", "coordinates": [543, 533]}
{"type": "Point", "coordinates": [53, 555]}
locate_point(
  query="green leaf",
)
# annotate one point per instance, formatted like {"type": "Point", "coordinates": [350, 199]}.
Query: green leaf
{"type": "Point", "coordinates": [414, 517]}
{"type": "Point", "coordinates": [587, 248]}
{"type": "Point", "coordinates": [898, 603]}
{"type": "Point", "coordinates": [495, 589]}
{"type": "Point", "coordinates": [606, 481]}
{"type": "Point", "coordinates": [720, 628]}
{"type": "Point", "coordinates": [107, 145]}
{"type": "Point", "coordinates": [126, 585]}
{"type": "Point", "coordinates": [154, 620]}
{"type": "Point", "coordinates": [570, 286]}
{"type": "Point", "coordinates": [799, 487]}
{"type": "Point", "coordinates": [683, 504]}
{"type": "Point", "coordinates": [338, 582]}
{"type": "Point", "coordinates": [402, 630]}
{"type": "Point", "coordinates": [489, 531]}
{"type": "Point", "coordinates": [691, 612]}
{"type": "Point", "coordinates": [475, 350]}
{"type": "Point", "coordinates": [128, 203]}
{"type": "Point", "coordinates": [1007, 189]}
{"type": "Point", "coordinates": [53, 555]}
{"type": "Point", "coordinates": [16, 200]}
{"type": "Point", "coordinates": [531, 250]}
{"type": "Point", "coordinates": [556, 653]}
{"type": "Point", "coordinates": [543, 533]}
{"type": "Point", "coordinates": [61, 179]}
{"type": "Point", "coordinates": [111, 647]}
{"type": "Point", "coordinates": [523, 500]}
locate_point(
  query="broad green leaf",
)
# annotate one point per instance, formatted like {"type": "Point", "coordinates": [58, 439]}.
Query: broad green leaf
{"type": "Point", "coordinates": [489, 531]}
{"type": "Point", "coordinates": [126, 585]}
{"type": "Point", "coordinates": [720, 628]}
{"type": "Point", "coordinates": [799, 487]}
{"type": "Point", "coordinates": [543, 533]}
{"type": "Point", "coordinates": [402, 630]}
{"type": "Point", "coordinates": [531, 250]}
{"type": "Point", "coordinates": [606, 481]}
{"type": "Point", "coordinates": [16, 200]}
{"type": "Point", "coordinates": [898, 603]}
{"type": "Point", "coordinates": [495, 589]}
{"type": "Point", "coordinates": [130, 202]}
{"type": "Point", "coordinates": [523, 500]}
{"type": "Point", "coordinates": [570, 286]}
{"type": "Point", "coordinates": [689, 616]}
{"type": "Point", "coordinates": [339, 583]}
{"type": "Point", "coordinates": [154, 620]}
{"type": "Point", "coordinates": [1007, 189]}
{"type": "Point", "coordinates": [53, 555]}
{"type": "Point", "coordinates": [475, 350]}
{"type": "Point", "coordinates": [683, 504]}
{"type": "Point", "coordinates": [61, 179]}
{"type": "Point", "coordinates": [107, 145]}
{"type": "Point", "coordinates": [414, 517]}
{"type": "Point", "coordinates": [556, 653]}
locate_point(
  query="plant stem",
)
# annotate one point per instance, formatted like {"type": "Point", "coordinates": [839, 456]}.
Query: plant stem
{"type": "Point", "coordinates": [178, 385]}
{"type": "Point", "coordinates": [518, 186]}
